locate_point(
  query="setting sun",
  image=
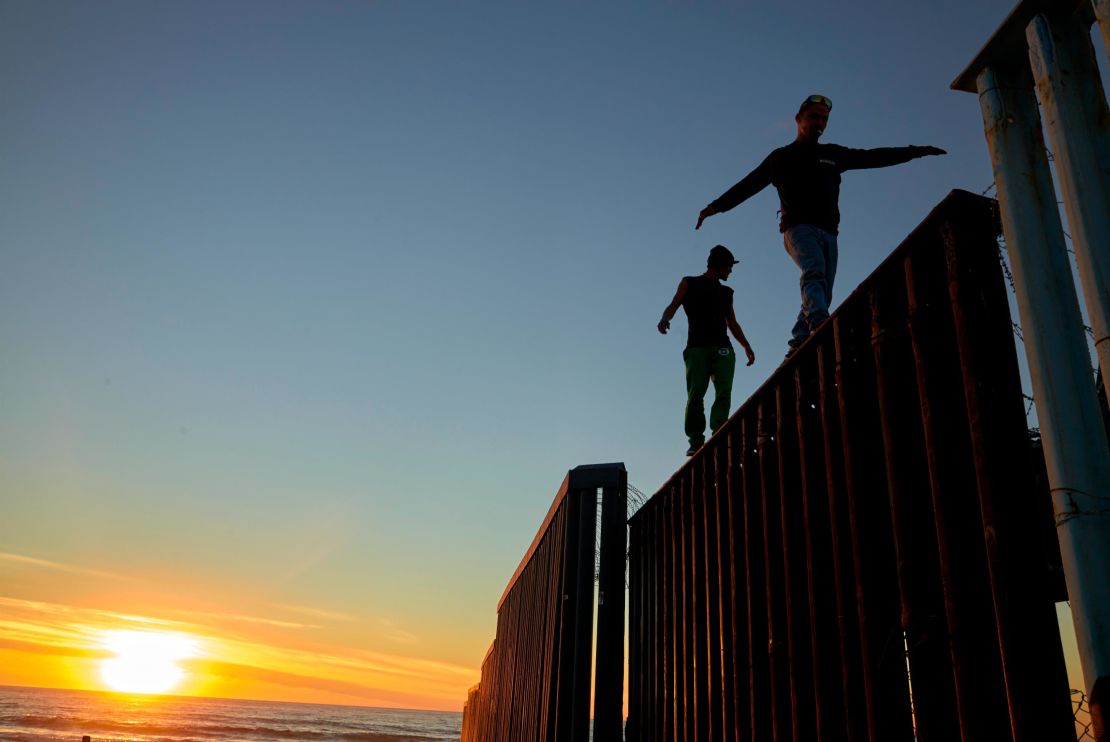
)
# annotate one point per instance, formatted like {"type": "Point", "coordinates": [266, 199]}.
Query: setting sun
{"type": "Point", "coordinates": [145, 661]}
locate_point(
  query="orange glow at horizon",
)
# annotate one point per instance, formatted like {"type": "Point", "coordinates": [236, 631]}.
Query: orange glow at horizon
{"type": "Point", "coordinates": [261, 654]}
{"type": "Point", "coordinates": [145, 661]}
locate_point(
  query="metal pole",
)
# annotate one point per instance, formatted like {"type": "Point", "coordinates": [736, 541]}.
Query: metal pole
{"type": "Point", "coordinates": [1102, 13]}
{"type": "Point", "coordinates": [609, 660]}
{"type": "Point", "coordinates": [1074, 441]}
{"type": "Point", "coordinates": [584, 519]}
{"type": "Point", "coordinates": [1078, 123]}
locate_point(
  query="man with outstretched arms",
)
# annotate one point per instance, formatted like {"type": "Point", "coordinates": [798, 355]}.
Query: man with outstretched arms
{"type": "Point", "coordinates": [709, 354]}
{"type": "Point", "coordinates": [807, 176]}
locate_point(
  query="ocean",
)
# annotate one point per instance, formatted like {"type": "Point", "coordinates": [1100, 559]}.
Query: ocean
{"type": "Point", "coordinates": [39, 714]}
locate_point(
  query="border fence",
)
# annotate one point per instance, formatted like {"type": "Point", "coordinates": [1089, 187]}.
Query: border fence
{"type": "Point", "coordinates": [536, 678]}
{"type": "Point", "coordinates": [862, 552]}
{"type": "Point", "coordinates": [865, 551]}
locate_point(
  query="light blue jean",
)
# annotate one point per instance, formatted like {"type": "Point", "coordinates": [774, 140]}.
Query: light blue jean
{"type": "Point", "coordinates": [814, 251]}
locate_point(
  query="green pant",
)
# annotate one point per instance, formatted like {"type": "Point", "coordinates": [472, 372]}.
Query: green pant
{"type": "Point", "coordinates": [703, 364]}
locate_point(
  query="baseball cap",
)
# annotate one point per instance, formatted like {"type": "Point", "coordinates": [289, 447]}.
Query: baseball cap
{"type": "Point", "coordinates": [815, 100]}
{"type": "Point", "coordinates": [720, 255]}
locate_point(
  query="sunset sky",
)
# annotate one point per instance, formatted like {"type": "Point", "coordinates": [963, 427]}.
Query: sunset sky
{"type": "Point", "coordinates": [306, 307]}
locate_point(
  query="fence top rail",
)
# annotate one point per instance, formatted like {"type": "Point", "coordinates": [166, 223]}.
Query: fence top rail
{"type": "Point", "coordinates": [587, 476]}
{"type": "Point", "coordinates": [958, 203]}
{"type": "Point", "coordinates": [1007, 47]}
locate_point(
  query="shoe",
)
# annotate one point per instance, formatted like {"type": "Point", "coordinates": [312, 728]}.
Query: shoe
{"type": "Point", "coordinates": [816, 327]}
{"type": "Point", "coordinates": [693, 449]}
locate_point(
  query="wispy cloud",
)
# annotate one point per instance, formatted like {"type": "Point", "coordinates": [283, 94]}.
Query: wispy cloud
{"type": "Point", "coordinates": [316, 612]}
{"type": "Point", "coordinates": [366, 694]}
{"type": "Point", "coordinates": [372, 677]}
{"type": "Point", "coordinates": [389, 629]}
{"type": "Point", "coordinates": [241, 618]}
{"type": "Point", "coordinates": [33, 647]}
{"type": "Point", "coordinates": [396, 634]}
{"type": "Point", "coordinates": [49, 628]}
{"type": "Point", "coordinates": [58, 566]}
{"type": "Point", "coordinates": [51, 614]}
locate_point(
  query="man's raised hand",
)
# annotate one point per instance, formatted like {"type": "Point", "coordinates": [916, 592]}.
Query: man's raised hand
{"type": "Point", "coordinates": [931, 151]}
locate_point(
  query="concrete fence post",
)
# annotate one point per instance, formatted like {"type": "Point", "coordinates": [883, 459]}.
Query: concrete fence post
{"type": "Point", "coordinates": [1076, 450]}
{"type": "Point", "coordinates": [1074, 104]}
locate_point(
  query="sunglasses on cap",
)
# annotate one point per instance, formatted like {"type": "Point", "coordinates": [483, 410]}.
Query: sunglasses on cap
{"type": "Point", "coordinates": [817, 99]}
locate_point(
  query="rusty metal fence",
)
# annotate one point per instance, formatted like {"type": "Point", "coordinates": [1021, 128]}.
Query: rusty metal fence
{"type": "Point", "coordinates": [536, 678]}
{"type": "Point", "coordinates": [863, 552]}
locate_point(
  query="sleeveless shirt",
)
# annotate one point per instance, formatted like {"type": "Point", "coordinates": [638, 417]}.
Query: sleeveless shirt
{"type": "Point", "coordinates": [706, 304]}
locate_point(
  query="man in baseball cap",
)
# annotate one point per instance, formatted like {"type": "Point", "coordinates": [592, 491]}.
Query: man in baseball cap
{"type": "Point", "coordinates": [709, 355]}
{"type": "Point", "coordinates": [807, 176]}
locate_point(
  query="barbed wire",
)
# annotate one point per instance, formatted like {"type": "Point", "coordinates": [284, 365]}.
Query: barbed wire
{"type": "Point", "coordinates": [991, 191]}
{"type": "Point", "coordinates": [636, 500]}
{"type": "Point", "coordinates": [1081, 712]}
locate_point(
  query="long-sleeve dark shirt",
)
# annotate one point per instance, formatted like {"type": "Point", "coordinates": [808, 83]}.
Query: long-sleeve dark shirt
{"type": "Point", "coordinates": [807, 177]}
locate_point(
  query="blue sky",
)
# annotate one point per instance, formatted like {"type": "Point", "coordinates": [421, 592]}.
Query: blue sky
{"type": "Point", "coordinates": [316, 302]}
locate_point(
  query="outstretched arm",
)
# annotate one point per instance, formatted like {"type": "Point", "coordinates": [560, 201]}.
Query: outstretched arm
{"type": "Point", "coordinates": [861, 159]}
{"type": "Point", "coordinates": [668, 313]}
{"type": "Point", "coordinates": [738, 333]}
{"type": "Point", "coordinates": [753, 183]}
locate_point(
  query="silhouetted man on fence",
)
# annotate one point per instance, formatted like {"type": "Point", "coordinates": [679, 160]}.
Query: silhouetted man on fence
{"type": "Point", "coordinates": [709, 354]}
{"type": "Point", "coordinates": [807, 177]}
